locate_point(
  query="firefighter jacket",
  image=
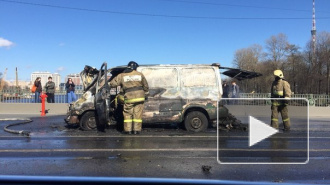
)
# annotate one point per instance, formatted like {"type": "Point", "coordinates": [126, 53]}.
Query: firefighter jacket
{"type": "Point", "coordinates": [280, 89]}
{"type": "Point", "coordinates": [133, 84]}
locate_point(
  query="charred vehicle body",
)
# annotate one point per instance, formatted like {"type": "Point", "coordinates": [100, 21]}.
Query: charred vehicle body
{"type": "Point", "coordinates": [187, 94]}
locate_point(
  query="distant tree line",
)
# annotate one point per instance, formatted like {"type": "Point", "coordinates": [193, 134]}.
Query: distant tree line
{"type": "Point", "coordinates": [308, 72]}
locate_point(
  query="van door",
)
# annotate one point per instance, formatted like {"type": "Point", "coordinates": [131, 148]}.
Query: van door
{"type": "Point", "coordinates": [102, 97]}
{"type": "Point", "coordinates": [164, 103]}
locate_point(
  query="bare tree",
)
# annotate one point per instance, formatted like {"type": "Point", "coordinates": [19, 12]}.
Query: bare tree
{"type": "Point", "coordinates": [307, 72]}
{"type": "Point", "coordinates": [294, 66]}
{"type": "Point", "coordinates": [248, 59]}
{"type": "Point", "coordinates": [276, 46]}
{"type": "Point", "coordinates": [266, 68]}
{"type": "Point", "coordinates": [310, 74]}
{"type": "Point", "coordinates": [323, 61]}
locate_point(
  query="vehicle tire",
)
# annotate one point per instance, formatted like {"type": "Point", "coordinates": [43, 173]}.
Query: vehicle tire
{"type": "Point", "coordinates": [88, 121]}
{"type": "Point", "coordinates": [195, 121]}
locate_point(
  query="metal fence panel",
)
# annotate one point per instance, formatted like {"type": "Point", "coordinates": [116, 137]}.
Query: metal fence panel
{"type": "Point", "coordinates": [25, 96]}
{"type": "Point", "coordinates": [28, 97]}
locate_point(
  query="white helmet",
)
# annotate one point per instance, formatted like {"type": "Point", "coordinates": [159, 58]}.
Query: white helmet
{"type": "Point", "coordinates": [279, 73]}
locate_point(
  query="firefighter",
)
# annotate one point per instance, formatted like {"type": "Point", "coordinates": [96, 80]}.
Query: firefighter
{"type": "Point", "coordinates": [135, 89]}
{"type": "Point", "coordinates": [280, 89]}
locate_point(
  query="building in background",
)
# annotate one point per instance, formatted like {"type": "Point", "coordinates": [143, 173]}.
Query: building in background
{"type": "Point", "coordinates": [21, 84]}
{"type": "Point", "coordinates": [44, 78]}
{"type": "Point", "coordinates": [57, 80]}
{"type": "Point", "coordinates": [75, 79]}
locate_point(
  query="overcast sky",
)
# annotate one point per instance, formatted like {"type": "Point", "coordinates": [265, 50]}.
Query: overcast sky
{"type": "Point", "coordinates": [65, 35]}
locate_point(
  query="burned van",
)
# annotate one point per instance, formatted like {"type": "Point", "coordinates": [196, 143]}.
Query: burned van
{"type": "Point", "coordinates": [182, 94]}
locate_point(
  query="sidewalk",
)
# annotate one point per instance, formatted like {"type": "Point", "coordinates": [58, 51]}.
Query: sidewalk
{"type": "Point", "coordinates": [294, 111]}
{"type": "Point", "coordinates": [62, 108]}
{"type": "Point", "coordinates": [33, 108]}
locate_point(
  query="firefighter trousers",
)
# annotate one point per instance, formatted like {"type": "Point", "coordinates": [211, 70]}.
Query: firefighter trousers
{"type": "Point", "coordinates": [283, 109]}
{"type": "Point", "coordinates": [133, 116]}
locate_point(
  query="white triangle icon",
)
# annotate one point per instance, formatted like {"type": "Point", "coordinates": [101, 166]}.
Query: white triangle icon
{"type": "Point", "coordinates": [259, 131]}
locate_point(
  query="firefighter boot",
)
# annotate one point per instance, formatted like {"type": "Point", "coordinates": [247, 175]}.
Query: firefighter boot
{"type": "Point", "coordinates": [127, 127]}
{"type": "Point", "coordinates": [286, 126]}
{"type": "Point", "coordinates": [137, 127]}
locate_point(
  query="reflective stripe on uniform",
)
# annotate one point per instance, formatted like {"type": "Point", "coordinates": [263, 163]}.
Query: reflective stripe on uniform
{"type": "Point", "coordinates": [276, 104]}
{"type": "Point", "coordinates": [278, 93]}
{"type": "Point", "coordinates": [128, 120]}
{"type": "Point", "coordinates": [134, 100]}
{"type": "Point", "coordinates": [132, 78]}
{"type": "Point", "coordinates": [274, 119]}
{"type": "Point", "coordinates": [288, 119]}
{"type": "Point", "coordinates": [137, 120]}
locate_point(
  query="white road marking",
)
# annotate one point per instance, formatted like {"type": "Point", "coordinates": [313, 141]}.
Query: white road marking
{"type": "Point", "coordinates": [157, 149]}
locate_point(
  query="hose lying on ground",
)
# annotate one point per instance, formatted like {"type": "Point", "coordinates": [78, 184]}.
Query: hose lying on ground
{"type": "Point", "coordinates": [22, 121]}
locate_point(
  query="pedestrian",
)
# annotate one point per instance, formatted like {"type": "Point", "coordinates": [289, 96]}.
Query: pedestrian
{"type": "Point", "coordinates": [50, 90]}
{"type": "Point", "coordinates": [38, 91]}
{"type": "Point", "coordinates": [234, 91]}
{"type": "Point", "coordinates": [225, 89]}
{"type": "Point", "coordinates": [70, 88]}
{"type": "Point", "coordinates": [135, 89]}
{"type": "Point", "coordinates": [280, 89]}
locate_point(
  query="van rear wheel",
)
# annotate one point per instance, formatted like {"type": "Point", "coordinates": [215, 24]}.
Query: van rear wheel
{"type": "Point", "coordinates": [195, 121]}
{"type": "Point", "coordinates": [88, 121]}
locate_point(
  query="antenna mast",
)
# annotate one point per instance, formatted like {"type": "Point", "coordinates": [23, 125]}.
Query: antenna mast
{"type": "Point", "coordinates": [314, 30]}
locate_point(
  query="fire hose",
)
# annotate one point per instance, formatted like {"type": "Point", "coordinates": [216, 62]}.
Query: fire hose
{"type": "Point", "coordinates": [21, 121]}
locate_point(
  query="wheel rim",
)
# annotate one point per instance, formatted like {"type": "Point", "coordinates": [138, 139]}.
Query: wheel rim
{"type": "Point", "coordinates": [91, 123]}
{"type": "Point", "coordinates": [196, 123]}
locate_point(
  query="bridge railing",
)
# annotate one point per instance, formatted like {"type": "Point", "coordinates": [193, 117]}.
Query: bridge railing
{"type": "Point", "coordinates": [320, 100]}
{"type": "Point", "coordinates": [25, 96]}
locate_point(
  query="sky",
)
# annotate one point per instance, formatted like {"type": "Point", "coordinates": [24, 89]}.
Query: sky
{"type": "Point", "coordinates": [62, 36]}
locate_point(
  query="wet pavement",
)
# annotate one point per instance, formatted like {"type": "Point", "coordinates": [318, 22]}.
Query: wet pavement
{"type": "Point", "coordinates": [165, 151]}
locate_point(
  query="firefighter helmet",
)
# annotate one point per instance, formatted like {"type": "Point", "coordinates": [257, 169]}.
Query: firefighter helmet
{"type": "Point", "coordinates": [132, 65]}
{"type": "Point", "coordinates": [278, 73]}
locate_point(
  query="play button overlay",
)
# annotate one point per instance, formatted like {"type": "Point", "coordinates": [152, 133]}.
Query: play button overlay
{"type": "Point", "coordinates": [245, 136]}
{"type": "Point", "coordinates": [259, 131]}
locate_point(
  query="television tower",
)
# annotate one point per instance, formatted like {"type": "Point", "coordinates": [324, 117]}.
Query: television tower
{"type": "Point", "coordinates": [314, 30]}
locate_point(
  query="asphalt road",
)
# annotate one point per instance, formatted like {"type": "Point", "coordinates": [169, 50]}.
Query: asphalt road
{"type": "Point", "coordinates": [164, 151]}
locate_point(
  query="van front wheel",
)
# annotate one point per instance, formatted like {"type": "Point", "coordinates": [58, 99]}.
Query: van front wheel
{"type": "Point", "coordinates": [88, 121]}
{"type": "Point", "coordinates": [195, 121]}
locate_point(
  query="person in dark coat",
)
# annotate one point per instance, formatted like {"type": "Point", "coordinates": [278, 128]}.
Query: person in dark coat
{"type": "Point", "coordinates": [225, 89]}
{"type": "Point", "coordinates": [234, 92]}
{"type": "Point", "coordinates": [38, 91]}
{"type": "Point", "coordinates": [70, 88]}
{"type": "Point", "coordinates": [50, 90]}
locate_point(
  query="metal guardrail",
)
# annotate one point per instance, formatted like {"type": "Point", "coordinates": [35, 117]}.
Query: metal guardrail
{"type": "Point", "coordinates": [28, 97]}
{"type": "Point", "coordinates": [25, 96]}
{"type": "Point", "coordinates": [319, 100]}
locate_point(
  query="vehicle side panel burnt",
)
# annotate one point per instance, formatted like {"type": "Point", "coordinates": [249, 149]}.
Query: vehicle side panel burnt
{"type": "Point", "coordinates": [175, 90]}
{"type": "Point", "coordinates": [83, 104]}
{"type": "Point", "coordinates": [175, 93]}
